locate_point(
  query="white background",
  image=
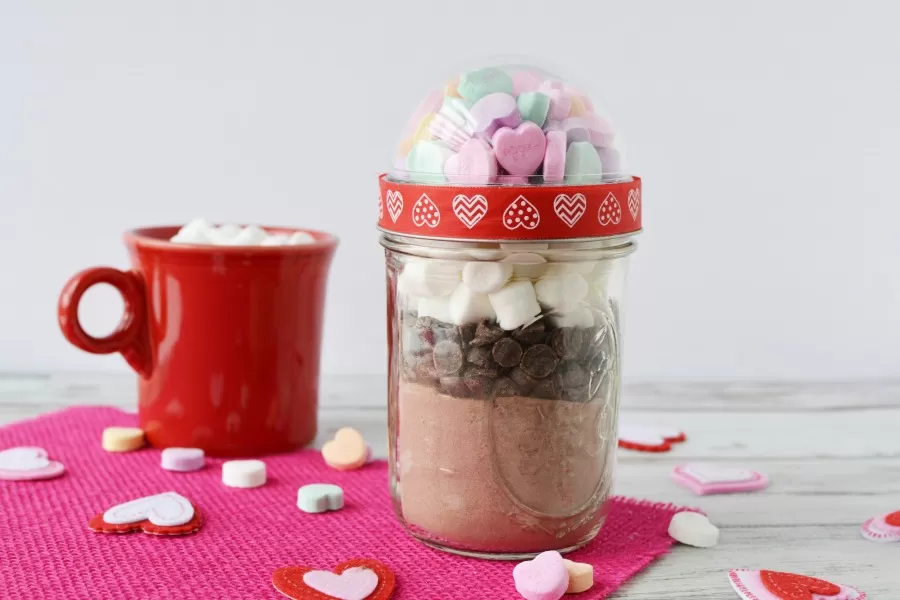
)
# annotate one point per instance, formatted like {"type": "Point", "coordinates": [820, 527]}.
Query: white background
{"type": "Point", "coordinates": [767, 133]}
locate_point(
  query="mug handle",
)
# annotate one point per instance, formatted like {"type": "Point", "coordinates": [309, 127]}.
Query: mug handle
{"type": "Point", "coordinates": [131, 337]}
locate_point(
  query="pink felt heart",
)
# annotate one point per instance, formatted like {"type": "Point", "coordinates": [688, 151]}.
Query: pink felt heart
{"type": "Point", "coordinates": [771, 585]}
{"type": "Point", "coordinates": [545, 577]}
{"type": "Point", "coordinates": [521, 150]}
{"type": "Point", "coordinates": [705, 479]}
{"type": "Point", "coordinates": [356, 583]}
{"type": "Point", "coordinates": [474, 164]}
{"type": "Point", "coordinates": [28, 463]}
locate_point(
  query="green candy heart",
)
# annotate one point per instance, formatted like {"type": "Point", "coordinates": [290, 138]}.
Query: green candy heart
{"type": "Point", "coordinates": [583, 164]}
{"type": "Point", "coordinates": [534, 107]}
{"type": "Point", "coordinates": [473, 85]}
{"type": "Point", "coordinates": [425, 162]}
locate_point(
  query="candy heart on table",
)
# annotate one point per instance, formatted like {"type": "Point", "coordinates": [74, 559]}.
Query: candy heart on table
{"type": "Point", "coordinates": [884, 528]}
{"type": "Point", "coordinates": [693, 529]}
{"type": "Point", "coordinates": [494, 111]}
{"type": "Point", "coordinates": [355, 579]}
{"type": "Point", "coordinates": [474, 85]}
{"type": "Point", "coordinates": [474, 164]}
{"type": "Point", "coordinates": [583, 163]}
{"type": "Point", "coordinates": [168, 513]}
{"type": "Point", "coordinates": [555, 157]}
{"type": "Point", "coordinates": [521, 150]}
{"type": "Point", "coordinates": [521, 213]}
{"type": "Point", "coordinates": [346, 451]}
{"type": "Point", "coordinates": [426, 161]}
{"type": "Point", "coordinates": [182, 459]}
{"type": "Point", "coordinates": [560, 98]}
{"type": "Point", "coordinates": [647, 438]}
{"type": "Point", "coordinates": [425, 212]}
{"type": "Point", "coordinates": [469, 209]}
{"type": "Point", "coordinates": [320, 497]}
{"type": "Point", "coordinates": [534, 107]}
{"type": "Point", "coordinates": [570, 209]}
{"type": "Point", "coordinates": [611, 160]}
{"type": "Point", "coordinates": [775, 585]}
{"type": "Point", "coordinates": [544, 577]}
{"type": "Point", "coordinates": [28, 463]}
{"type": "Point", "coordinates": [703, 479]}
{"type": "Point", "coordinates": [610, 211]}
{"type": "Point", "coordinates": [581, 577]}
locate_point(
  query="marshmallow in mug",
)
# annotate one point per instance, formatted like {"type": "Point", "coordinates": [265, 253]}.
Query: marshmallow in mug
{"type": "Point", "coordinates": [201, 232]}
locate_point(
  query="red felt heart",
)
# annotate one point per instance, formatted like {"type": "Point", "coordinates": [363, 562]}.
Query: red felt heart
{"type": "Point", "coordinates": [100, 526]}
{"type": "Point", "coordinates": [289, 580]}
{"type": "Point", "coordinates": [893, 519]}
{"type": "Point", "coordinates": [789, 586]}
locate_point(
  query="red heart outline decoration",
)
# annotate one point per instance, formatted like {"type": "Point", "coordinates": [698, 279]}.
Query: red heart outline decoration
{"type": "Point", "coordinates": [289, 580]}
{"type": "Point", "coordinates": [529, 219]}
{"type": "Point", "coordinates": [610, 211]}
{"type": "Point", "coordinates": [570, 209]}
{"type": "Point", "coordinates": [394, 204]}
{"type": "Point", "coordinates": [98, 525]}
{"type": "Point", "coordinates": [634, 203]}
{"type": "Point", "coordinates": [425, 212]}
{"type": "Point", "coordinates": [470, 210]}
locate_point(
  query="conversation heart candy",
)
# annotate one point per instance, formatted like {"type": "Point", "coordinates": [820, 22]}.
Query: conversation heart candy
{"type": "Point", "coordinates": [577, 107]}
{"type": "Point", "coordinates": [122, 439]}
{"type": "Point", "coordinates": [589, 128]}
{"type": "Point", "coordinates": [320, 497]}
{"type": "Point", "coordinates": [545, 577]}
{"type": "Point", "coordinates": [182, 459]}
{"type": "Point", "coordinates": [555, 157]}
{"type": "Point", "coordinates": [474, 85]}
{"type": "Point", "coordinates": [521, 150]}
{"type": "Point", "coordinates": [534, 107]}
{"type": "Point", "coordinates": [426, 161]}
{"type": "Point", "coordinates": [494, 111]}
{"type": "Point", "coordinates": [474, 164]}
{"type": "Point", "coordinates": [611, 160]}
{"type": "Point", "coordinates": [693, 529]}
{"type": "Point", "coordinates": [526, 81]}
{"type": "Point", "coordinates": [582, 163]}
{"type": "Point", "coordinates": [560, 98]}
{"type": "Point", "coordinates": [581, 577]}
{"type": "Point", "coordinates": [346, 451]}
{"type": "Point", "coordinates": [244, 473]}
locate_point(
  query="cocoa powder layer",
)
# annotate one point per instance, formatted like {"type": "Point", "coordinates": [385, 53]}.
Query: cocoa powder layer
{"type": "Point", "coordinates": [512, 474]}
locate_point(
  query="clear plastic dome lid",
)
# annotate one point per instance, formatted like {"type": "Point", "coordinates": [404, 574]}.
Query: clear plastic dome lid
{"type": "Point", "coordinates": [508, 125]}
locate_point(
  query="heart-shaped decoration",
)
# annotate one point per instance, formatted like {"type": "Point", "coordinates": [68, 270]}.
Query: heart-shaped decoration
{"type": "Point", "coordinates": [774, 585]}
{"type": "Point", "coordinates": [521, 213]}
{"type": "Point", "coordinates": [355, 579]}
{"type": "Point", "coordinates": [610, 211]}
{"type": "Point", "coordinates": [380, 208]}
{"type": "Point", "coordinates": [703, 479]}
{"type": "Point", "coordinates": [317, 498]}
{"type": "Point", "coordinates": [542, 578]}
{"type": "Point", "coordinates": [521, 150]}
{"type": "Point", "coordinates": [475, 164]}
{"type": "Point", "coordinates": [470, 210]}
{"type": "Point", "coordinates": [348, 450]}
{"type": "Point", "coordinates": [634, 203]}
{"type": "Point", "coordinates": [425, 212]}
{"type": "Point", "coordinates": [570, 208]}
{"type": "Point", "coordinates": [394, 204]}
{"type": "Point", "coordinates": [162, 514]}
{"type": "Point", "coordinates": [884, 529]}
{"type": "Point", "coordinates": [28, 463]}
{"type": "Point", "coordinates": [648, 439]}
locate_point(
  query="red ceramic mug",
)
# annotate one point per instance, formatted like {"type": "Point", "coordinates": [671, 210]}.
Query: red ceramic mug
{"type": "Point", "coordinates": [225, 339]}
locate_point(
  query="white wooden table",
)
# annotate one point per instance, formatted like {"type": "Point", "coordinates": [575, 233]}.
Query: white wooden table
{"type": "Point", "coordinates": [832, 452]}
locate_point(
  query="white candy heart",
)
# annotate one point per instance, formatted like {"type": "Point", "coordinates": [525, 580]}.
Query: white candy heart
{"type": "Point", "coordinates": [164, 510]}
{"type": "Point", "coordinates": [356, 583]}
{"type": "Point", "coordinates": [693, 529]}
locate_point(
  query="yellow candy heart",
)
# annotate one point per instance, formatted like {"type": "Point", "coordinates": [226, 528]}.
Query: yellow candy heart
{"type": "Point", "coordinates": [577, 108]}
{"type": "Point", "coordinates": [346, 451]}
{"type": "Point", "coordinates": [450, 88]}
{"type": "Point", "coordinates": [122, 439]}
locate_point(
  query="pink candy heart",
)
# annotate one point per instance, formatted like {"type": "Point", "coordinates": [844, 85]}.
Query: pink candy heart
{"type": "Point", "coordinates": [474, 164]}
{"type": "Point", "coordinates": [521, 150]}
{"type": "Point", "coordinates": [494, 111]}
{"type": "Point", "coordinates": [356, 583]}
{"type": "Point", "coordinates": [543, 578]}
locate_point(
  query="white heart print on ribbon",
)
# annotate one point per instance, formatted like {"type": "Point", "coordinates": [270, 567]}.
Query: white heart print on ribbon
{"type": "Point", "coordinates": [470, 210]}
{"type": "Point", "coordinates": [356, 583]}
{"type": "Point", "coordinates": [521, 213]}
{"type": "Point", "coordinates": [570, 209]}
{"type": "Point", "coordinates": [28, 463]}
{"type": "Point", "coordinates": [168, 509]}
{"type": "Point", "coordinates": [634, 203]}
{"type": "Point", "coordinates": [425, 212]}
{"type": "Point", "coordinates": [394, 204]}
{"type": "Point", "coordinates": [610, 210]}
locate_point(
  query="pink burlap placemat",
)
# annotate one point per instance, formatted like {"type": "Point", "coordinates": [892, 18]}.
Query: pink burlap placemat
{"type": "Point", "coordinates": [48, 551]}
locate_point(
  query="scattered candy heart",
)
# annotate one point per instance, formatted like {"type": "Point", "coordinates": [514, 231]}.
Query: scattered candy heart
{"type": "Point", "coordinates": [168, 513]}
{"type": "Point", "coordinates": [560, 98]}
{"type": "Point", "coordinates": [244, 473]}
{"type": "Point", "coordinates": [583, 164]}
{"type": "Point", "coordinates": [520, 150]}
{"type": "Point", "coordinates": [28, 463]}
{"type": "Point", "coordinates": [355, 579]}
{"type": "Point", "coordinates": [581, 577]}
{"type": "Point", "coordinates": [555, 157]}
{"type": "Point", "coordinates": [545, 577]}
{"type": "Point", "coordinates": [320, 497]}
{"type": "Point", "coordinates": [693, 529]}
{"type": "Point", "coordinates": [182, 459]}
{"type": "Point", "coordinates": [648, 439]}
{"type": "Point", "coordinates": [346, 451]}
{"type": "Point", "coordinates": [775, 585]}
{"type": "Point", "coordinates": [474, 85]}
{"type": "Point", "coordinates": [703, 479]}
{"type": "Point", "coordinates": [426, 161]}
{"type": "Point", "coordinates": [534, 107]}
{"type": "Point", "coordinates": [122, 439]}
{"type": "Point", "coordinates": [884, 528]}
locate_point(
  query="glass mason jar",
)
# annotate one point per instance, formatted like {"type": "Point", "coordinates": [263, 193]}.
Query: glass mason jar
{"type": "Point", "coordinates": [502, 435]}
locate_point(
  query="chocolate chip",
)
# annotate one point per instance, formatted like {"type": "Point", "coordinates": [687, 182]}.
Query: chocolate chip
{"type": "Point", "coordinates": [570, 374]}
{"type": "Point", "coordinates": [522, 379]}
{"type": "Point", "coordinates": [505, 387]}
{"type": "Point", "coordinates": [477, 383]}
{"type": "Point", "coordinates": [566, 342]}
{"type": "Point", "coordinates": [455, 386]}
{"type": "Point", "coordinates": [467, 332]}
{"type": "Point", "coordinates": [486, 334]}
{"type": "Point", "coordinates": [481, 357]}
{"type": "Point", "coordinates": [448, 357]}
{"type": "Point", "coordinates": [492, 371]}
{"type": "Point", "coordinates": [531, 334]}
{"type": "Point", "coordinates": [545, 389]}
{"type": "Point", "coordinates": [539, 361]}
{"type": "Point", "coordinates": [507, 352]}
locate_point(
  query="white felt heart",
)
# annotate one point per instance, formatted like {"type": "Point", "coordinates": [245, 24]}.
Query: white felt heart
{"type": "Point", "coordinates": [24, 458]}
{"type": "Point", "coordinates": [356, 583]}
{"type": "Point", "coordinates": [165, 510]}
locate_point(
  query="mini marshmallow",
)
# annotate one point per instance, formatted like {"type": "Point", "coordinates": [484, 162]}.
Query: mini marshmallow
{"type": "Point", "coordinates": [526, 265]}
{"type": "Point", "coordinates": [196, 232]}
{"type": "Point", "coordinates": [467, 306]}
{"type": "Point", "coordinates": [515, 304]}
{"type": "Point", "coordinates": [486, 277]}
{"type": "Point", "coordinates": [561, 292]}
{"type": "Point", "coordinates": [484, 254]}
{"type": "Point", "coordinates": [301, 238]}
{"type": "Point", "coordinates": [582, 268]}
{"type": "Point", "coordinates": [276, 239]}
{"type": "Point", "coordinates": [525, 246]}
{"type": "Point", "coordinates": [423, 277]}
{"type": "Point", "coordinates": [224, 234]}
{"type": "Point", "coordinates": [693, 529]}
{"type": "Point", "coordinates": [436, 307]}
{"type": "Point", "coordinates": [250, 235]}
{"type": "Point", "coordinates": [580, 317]}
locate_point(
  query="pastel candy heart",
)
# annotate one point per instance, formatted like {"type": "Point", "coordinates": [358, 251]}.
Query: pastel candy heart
{"type": "Point", "coordinates": [124, 439]}
{"type": "Point", "coordinates": [577, 108]}
{"type": "Point", "coordinates": [703, 479]}
{"type": "Point", "coordinates": [560, 98]}
{"type": "Point", "coordinates": [555, 157]}
{"type": "Point", "coordinates": [320, 497]}
{"type": "Point", "coordinates": [474, 164]}
{"type": "Point", "coordinates": [474, 85]}
{"type": "Point", "coordinates": [611, 160]}
{"type": "Point", "coordinates": [775, 585]}
{"type": "Point", "coordinates": [521, 150]}
{"type": "Point", "coordinates": [582, 163]}
{"type": "Point", "coordinates": [883, 529]}
{"type": "Point", "coordinates": [545, 577]}
{"type": "Point", "coordinates": [425, 161]}
{"type": "Point", "coordinates": [346, 451]}
{"type": "Point", "coordinates": [182, 459]}
{"type": "Point", "coordinates": [589, 128]}
{"type": "Point", "coordinates": [534, 107]}
{"type": "Point", "coordinates": [693, 529]}
{"type": "Point", "coordinates": [353, 584]}
{"type": "Point", "coordinates": [493, 112]}
{"type": "Point", "coordinates": [28, 463]}
{"type": "Point", "coordinates": [526, 81]}
{"type": "Point", "coordinates": [581, 577]}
